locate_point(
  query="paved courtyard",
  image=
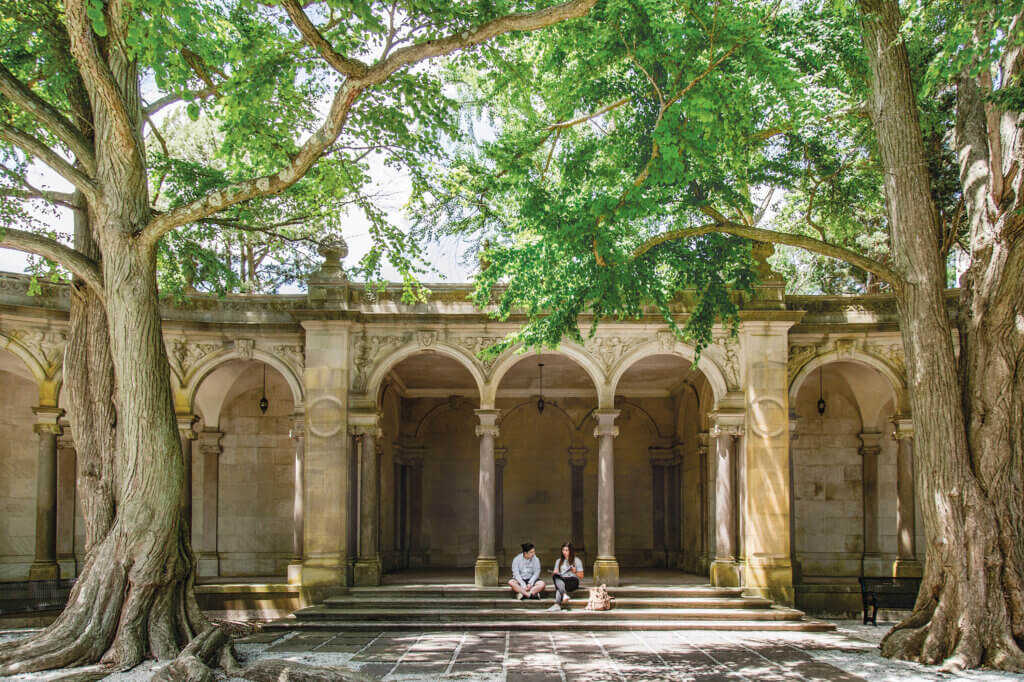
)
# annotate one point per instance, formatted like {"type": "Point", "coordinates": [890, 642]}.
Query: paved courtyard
{"type": "Point", "coordinates": [847, 655]}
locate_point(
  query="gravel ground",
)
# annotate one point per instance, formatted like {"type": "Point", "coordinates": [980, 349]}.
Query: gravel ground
{"type": "Point", "coordinates": [851, 653]}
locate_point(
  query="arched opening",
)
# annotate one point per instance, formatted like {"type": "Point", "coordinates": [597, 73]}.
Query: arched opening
{"type": "Point", "coordinates": [662, 473]}
{"type": "Point", "coordinates": [243, 482]}
{"type": "Point", "coordinates": [18, 463]}
{"type": "Point", "coordinates": [546, 474]}
{"type": "Point", "coordinates": [844, 482]}
{"type": "Point", "coordinates": [429, 463]}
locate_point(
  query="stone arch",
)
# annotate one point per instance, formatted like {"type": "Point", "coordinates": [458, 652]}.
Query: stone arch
{"type": "Point", "coordinates": [711, 371]}
{"type": "Point", "coordinates": [11, 344]}
{"type": "Point", "coordinates": [49, 384]}
{"type": "Point", "coordinates": [210, 363]}
{"type": "Point", "coordinates": [896, 382]}
{"type": "Point", "coordinates": [373, 384]}
{"type": "Point", "coordinates": [574, 352]}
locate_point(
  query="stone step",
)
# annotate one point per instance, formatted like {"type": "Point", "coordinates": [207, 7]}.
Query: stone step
{"type": "Point", "coordinates": [550, 624]}
{"type": "Point", "coordinates": [438, 591]}
{"type": "Point", "coordinates": [460, 602]}
{"type": "Point", "coordinates": [439, 615]}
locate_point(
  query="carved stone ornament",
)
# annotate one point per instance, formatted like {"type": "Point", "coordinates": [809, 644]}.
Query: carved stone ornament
{"type": "Point", "coordinates": [244, 348]}
{"type": "Point", "coordinates": [608, 350]}
{"type": "Point", "coordinates": [666, 341]}
{"type": "Point", "coordinates": [426, 338]}
{"type": "Point", "coordinates": [368, 350]}
{"type": "Point", "coordinates": [476, 344]}
{"type": "Point", "coordinates": [293, 355]}
{"type": "Point", "coordinates": [727, 347]}
{"type": "Point", "coordinates": [45, 346]}
{"type": "Point", "coordinates": [185, 355]}
{"type": "Point", "coordinates": [890, 353]}
{"type": "Point", "coordinates": [800, 356]}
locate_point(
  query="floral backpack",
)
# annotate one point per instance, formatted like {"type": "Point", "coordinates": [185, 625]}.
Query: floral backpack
{"type": "Point", "coordinates": [599, 599]}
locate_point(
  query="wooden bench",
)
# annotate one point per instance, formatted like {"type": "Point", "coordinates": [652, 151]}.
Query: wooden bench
{"type": "Point", "coordinates": [887, 593]}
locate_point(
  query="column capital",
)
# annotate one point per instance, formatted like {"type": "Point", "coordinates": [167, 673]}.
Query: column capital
{"type": "Point", "coordinates": [500, 457]}
{"type": "Point", "coordinates": [185, 424]}
{"type": "Point", "coordinates": [209, 442]}
{"type": "Point", "coordinates": [606, 423]}
{"type": "Point", "coordinates": [727, 423]}
{"type": "Point", "coordinates": [365, 424]}
{"type": "Point", "coordinates": [408, 455]}
{"type": "Point", "coordinates": [664, 457]}
{"type": "Point", "coordinates": [65, 441]}
{"type": "Point", "coordinates": [578, 456]}
{"type": "Point", "coordinates": [903, 427]}
{"type": "Point", "coordinates": [871, 443]}
{"type": "Point", "coordinates": [488, 425]}
{"type": "Point", "coordinates": [297, 428]}
{"type": "Point", "coordinates": [48, 419]}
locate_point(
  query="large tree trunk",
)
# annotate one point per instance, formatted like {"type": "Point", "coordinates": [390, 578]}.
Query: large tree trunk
{"type": "Point", "coordinates": [134, 597]}
{"type": "Point", "coordinates": [967, 428]}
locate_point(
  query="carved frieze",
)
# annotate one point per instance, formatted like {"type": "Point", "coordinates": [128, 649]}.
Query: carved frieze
{"type": "Point", "coordinates": [244, 348]}
{"type": "Point", "coordinates": [727, 347]}
{"type": "Point", "coordinates": [293, 355]}
{"type": "Point", "coordinates": [185, 355]}
{"type": "Point", "coordinates": [367, 351]}
{"type": "Point", "coordinates": [608, 350]}
{"type": "Point", "coordinates": [476, 344]}
{"type": "Point", "coordinates": [800, 355]}
{"type": "Point", "coordinates": [45, 346]}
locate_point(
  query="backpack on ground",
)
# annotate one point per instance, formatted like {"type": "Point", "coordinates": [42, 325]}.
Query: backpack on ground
{"type": "Point", "coordinates": [599, 599]}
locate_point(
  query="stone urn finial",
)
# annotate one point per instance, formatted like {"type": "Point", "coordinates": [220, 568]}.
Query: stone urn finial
{"type": "Point", "coordinates": [329, 284]}
{"type": "Point", "coordinates": [333, 252]}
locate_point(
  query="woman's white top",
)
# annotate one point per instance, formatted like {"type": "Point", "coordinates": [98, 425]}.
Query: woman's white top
{"type": "Point", "coordinates": [564, 569]}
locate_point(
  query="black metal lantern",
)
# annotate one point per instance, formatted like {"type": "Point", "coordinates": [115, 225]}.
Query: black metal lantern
{"type": "Point", "coordinates": [821, 398]}
{"type": "Point", "coordinates": [540, 400]}
{"type": "Point", "coordinates": [264, 403]}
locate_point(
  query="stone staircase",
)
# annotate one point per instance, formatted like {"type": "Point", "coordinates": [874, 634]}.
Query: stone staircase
{"type": "Point", "coordinates": [460, 607]}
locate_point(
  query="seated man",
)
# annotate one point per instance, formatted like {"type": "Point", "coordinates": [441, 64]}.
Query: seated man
{"type": "Point", "coordinates": [525, 581]}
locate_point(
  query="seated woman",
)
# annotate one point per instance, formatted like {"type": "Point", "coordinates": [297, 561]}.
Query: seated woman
{"type": "Point", "coordinates": [567, 573]}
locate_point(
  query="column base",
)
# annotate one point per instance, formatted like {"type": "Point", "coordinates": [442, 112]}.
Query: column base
{"type": "Point", "coordinates": [771, 578]}
{"type": "Point", "coordinates": [367, 572]}
{"type": "Point", "coordinates": [485, 573]}
{"type": "Point", "coordinates": [295, 573]}
{"type": "Point", "coordinates": [68, 567]}
{"type": "Point", "coordinates": [907, 568]}
{"type": "Point", "coordinates": [322, 577]}
{"type": "Point", "coordinates": [606, 571]}
{"type": "Point", "coordinates": [44, 570]}
{"type": "Point", "coordinates": [725, 573]}
{"type": "Point", "coordinates": [208, 565]}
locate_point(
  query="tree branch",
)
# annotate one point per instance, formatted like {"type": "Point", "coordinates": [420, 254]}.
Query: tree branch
{"type": "Point", "coordinates": [882, 271]}
{"type": "Point", "coordinates": [76, 262]}
{"type": "Point", "coordinates": [33, 146]}
{"type": "Point", "coordinates": [339, 62]}
{"type": "Point", "coordinates": [96, 72]}
{"type": "Point", "coordinates": [314, 147]}
{"type": "Point", "coordinates": [167, 100]}
{"type": "Point", "coordinates": [582, 119]}
{"type": "Point", "coordinates": [48, 115]}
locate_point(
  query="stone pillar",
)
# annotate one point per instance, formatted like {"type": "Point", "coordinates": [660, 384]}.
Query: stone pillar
{"type": "Point", "coordinates": [500, 460]}
{"type": "Point", "coordinates": [486, 572]}
{"type": "Point", "coordinates": [298, 434]}
{"type": "Point", "coordinates": [327, 453]}
{"type": "Point", "coordinates": [210, 449]}
{"type": "Point", "coordinates": [764, 349]}
{"type": "Point", "coordinates": [869, 449]}
{"type": "Point", "coordinates": [67, 472]}
{"type": "Point", "coordinates": [577, 464]}
{"type": "Point", "coordinates": [412, 456]}
{"type": "Point", "coordinates": [606, 567]}
{"type": "Point", "coordinates": [187, 435]}
{"type": "Point", "coordinates": [47, 427]}
{"type": "Point", "coordinates": [704, 545]}
{"type": "Point", "coordinates": [907, 565]}
{"type": "Point", "coordinates": [725, 569]}
{"type": "Point", "coordinates": [367, 570]}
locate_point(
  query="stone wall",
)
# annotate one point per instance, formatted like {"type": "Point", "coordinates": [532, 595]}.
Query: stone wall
{"type": "Point", "coordinates": [256, 478]}
{"type": "Point", "coordinates": [18, 456]}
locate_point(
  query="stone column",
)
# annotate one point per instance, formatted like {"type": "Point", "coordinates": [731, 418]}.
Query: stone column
{"type": "Point", "coordinates": [869, 449]}
{"type": "Point", "coordinates": [413, 458]}
{"type": "Point", "coordinates": [725, 569]}
{"type": "Point", "coordinates": [704, 554]}
{"type": "Point", "coordinates": [187, 435]}
{"type": "Point", "coordinates": [486, 572]}
{"type": "Point", "coordinates": [500, 460]}
{"type": "Point", "coordinates": [606, 567]}
{"type": "Point", "coordinates": [367, 570]}
{"type": "Point", "coordinates": [907, 565]}
{"type": "Point", "coordinates": [47, 427]}
{"type": "Point", "coordinates": [67, 472]}
{"type": "Point", "coordinates": [764, 349]}
{"type": "Point", "coordinates": [577, 464]}
{"type": "Point", "coordinates": [327, 451]}
{"type": "Point", "coordinates": [210, 449]}
{"type": "Point", "coordinates": [298, 434]}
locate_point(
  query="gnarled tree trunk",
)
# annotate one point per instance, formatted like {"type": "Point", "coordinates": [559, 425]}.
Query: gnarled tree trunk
{"type": "Point", "coordinates": [968, 446]}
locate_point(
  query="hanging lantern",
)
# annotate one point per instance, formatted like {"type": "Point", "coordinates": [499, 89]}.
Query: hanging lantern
{"type": "Point", "coordinates": [540, 400]}
{"type": "Point", "coordinates": [821, 398]}
{"type": "Point", "coordinates": [264, 403]}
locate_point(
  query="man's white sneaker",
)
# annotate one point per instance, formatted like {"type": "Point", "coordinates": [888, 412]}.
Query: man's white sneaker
{"type": "Point", "coordinates": [565, 601]}
{"type": "Point", "coordinates": [555, 607]}
{"type": "Point", "coordinates": [519, 596]}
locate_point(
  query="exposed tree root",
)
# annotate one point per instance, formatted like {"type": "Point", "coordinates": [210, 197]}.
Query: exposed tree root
{"type": "Point", "coordinates": [276, 670]}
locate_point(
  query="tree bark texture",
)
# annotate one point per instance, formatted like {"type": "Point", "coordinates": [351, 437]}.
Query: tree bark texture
{"type": "Point", "coordinates": [967, 417]}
